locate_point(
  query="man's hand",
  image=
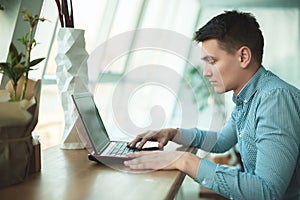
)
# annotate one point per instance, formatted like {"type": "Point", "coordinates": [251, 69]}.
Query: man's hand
{"type": "Point", "coordinates": [161, 136]}
{"type": "Point", "coordinates": [154, 160]}
{"type": "Point", "coordinates": [157, 160]}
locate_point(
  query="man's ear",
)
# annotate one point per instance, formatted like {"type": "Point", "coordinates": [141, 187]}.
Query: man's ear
{"type": "Point", "coordinates": [245, 55]}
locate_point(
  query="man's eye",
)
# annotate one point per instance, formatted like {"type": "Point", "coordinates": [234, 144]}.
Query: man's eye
{"type": "Point", "coordinates": [211, 61]}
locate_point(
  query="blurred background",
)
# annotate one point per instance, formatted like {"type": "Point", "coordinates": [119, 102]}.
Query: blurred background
{"type": "Point", "coordinates": [105, 19]}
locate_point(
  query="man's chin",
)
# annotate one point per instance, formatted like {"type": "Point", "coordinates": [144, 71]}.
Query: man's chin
{"type": "Point", "coordinates": [219, 90]}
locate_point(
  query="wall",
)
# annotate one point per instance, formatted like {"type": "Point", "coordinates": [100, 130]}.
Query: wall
{"type": "Point", "coordinates": [13, 26]}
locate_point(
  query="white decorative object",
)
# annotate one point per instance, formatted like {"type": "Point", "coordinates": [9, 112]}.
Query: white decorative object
{"type": "Point", "coordinates": [71, 76]}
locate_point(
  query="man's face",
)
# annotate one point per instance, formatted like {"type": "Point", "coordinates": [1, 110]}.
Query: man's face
{"type": "Point", "coordinates": [222, 69]}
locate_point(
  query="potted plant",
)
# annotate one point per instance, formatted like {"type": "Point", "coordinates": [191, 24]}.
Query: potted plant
{"type": "Point", "coordinates": [204, 94]}
{"type": "Point", "coordinates": [19, 108]}
{"type": "Point", "coordinates": [16, 68]}
{"type": "Point", "coordinates": [203, 91]}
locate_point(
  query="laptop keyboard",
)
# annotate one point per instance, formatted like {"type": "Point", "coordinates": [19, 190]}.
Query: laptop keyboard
{"type": "Point", "coordinates": [118, 149]}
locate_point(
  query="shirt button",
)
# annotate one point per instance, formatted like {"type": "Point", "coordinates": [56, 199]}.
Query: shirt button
{"type": "Point", "coordinates": [203, 182]}
{"type": "Point", "coordinates": [245, 101]}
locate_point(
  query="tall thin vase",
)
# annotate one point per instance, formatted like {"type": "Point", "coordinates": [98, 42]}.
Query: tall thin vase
{"type": "Point", "coordinates": [71, 74]}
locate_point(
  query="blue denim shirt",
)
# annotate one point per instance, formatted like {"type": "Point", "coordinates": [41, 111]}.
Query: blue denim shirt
{"type": "Point", "coordinates": [265, 124]}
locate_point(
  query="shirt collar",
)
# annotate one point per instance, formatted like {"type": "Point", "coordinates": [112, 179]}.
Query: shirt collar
{"type": "Point", "coordinates": [250, 88]}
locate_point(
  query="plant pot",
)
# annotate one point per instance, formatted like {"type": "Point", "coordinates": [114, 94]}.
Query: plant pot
{"type": "Point", "coordinates": [16, 146]}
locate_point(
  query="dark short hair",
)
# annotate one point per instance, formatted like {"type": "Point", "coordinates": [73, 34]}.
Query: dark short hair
{"type": "Point", "coordinates": [234, 29]}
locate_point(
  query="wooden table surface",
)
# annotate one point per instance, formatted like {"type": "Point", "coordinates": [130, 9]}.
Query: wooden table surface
{"type": "Point", "coordinates": [68, 174]}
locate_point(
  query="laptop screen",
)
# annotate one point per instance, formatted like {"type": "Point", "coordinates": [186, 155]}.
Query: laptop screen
{"type": "Point", "coordinates": [92, 121]}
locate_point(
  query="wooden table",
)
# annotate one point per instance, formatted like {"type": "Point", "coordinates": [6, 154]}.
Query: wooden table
{"type": "Point", "coordinates": [68, 174]}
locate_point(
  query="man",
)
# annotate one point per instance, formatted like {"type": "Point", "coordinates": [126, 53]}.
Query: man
{"type": "Point", "coordinates": [265, 122]}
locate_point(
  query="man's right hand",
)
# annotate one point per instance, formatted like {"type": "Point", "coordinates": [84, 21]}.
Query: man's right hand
{"type": "Point", "coordinates": [161, 136]}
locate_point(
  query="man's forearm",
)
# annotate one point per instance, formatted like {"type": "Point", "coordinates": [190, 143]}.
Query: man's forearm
{"type": "Point", "coordinates": [189, 164]}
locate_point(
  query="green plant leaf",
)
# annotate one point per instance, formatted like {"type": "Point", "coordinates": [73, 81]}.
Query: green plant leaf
{"type": "Point", "coordinates": [26, 15]}
{"type": "Point", "coordinates": [25, 39]}
{"type": "Point", "coordinates": [15, 60]}
{"type": "Point", "coordinates": [13, 50]}
{"type": "Point", "coordinates": [36, 61]}
{"type": "Point", "coordinates": [33, 43]}
{"type": "Point", "coordinates": [5, 68]}
{"type": "Point", "coordinates": [4, 64]}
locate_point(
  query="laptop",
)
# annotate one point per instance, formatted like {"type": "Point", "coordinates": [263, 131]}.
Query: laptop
{"type": "Point", "coordinates": [104, 150]}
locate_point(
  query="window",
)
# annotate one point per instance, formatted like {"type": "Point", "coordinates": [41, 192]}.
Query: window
{"type": "Point", "coordinates": [161, 102]}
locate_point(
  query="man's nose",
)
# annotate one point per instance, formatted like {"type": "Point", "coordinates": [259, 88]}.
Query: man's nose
{"type": "Point", "coordinates": [207, 70]}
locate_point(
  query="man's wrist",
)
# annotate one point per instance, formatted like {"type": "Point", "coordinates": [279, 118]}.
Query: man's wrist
{"type": "Point", "coordinates": [175, 135]}
{"type": "Point", "coordinates": [189, 164]}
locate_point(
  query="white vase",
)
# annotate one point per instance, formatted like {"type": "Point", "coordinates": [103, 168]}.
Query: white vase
{"type": "Point", "coordinates": [71, 76]}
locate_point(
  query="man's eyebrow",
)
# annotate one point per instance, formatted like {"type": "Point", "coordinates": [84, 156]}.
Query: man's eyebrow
{"type": "Point", "coordinates": [207, 57]}
{"type": "Point", "coordinates": [204, 57]}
